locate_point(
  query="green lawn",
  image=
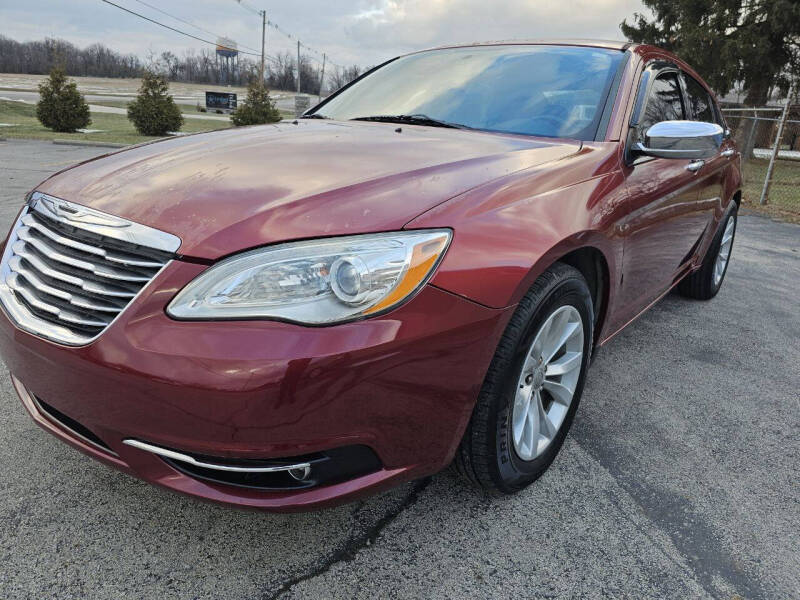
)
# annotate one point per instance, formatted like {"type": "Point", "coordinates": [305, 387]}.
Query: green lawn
{"type": "Point", "coordinates": [188, 109]}
{"type": "Point", "coordinates": [185, 108]}
{"type": "Point", "coordinates": [114, 128]}
{"type": "Point", "coordinates": [784, 194]}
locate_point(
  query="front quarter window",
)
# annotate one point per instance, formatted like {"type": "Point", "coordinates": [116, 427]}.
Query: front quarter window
{"type": "Point", "coordinates": [551, 91]}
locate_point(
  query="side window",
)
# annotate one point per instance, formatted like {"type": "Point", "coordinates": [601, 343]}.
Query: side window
{"type": "Point", "coordinates": [700, 103]}
{"type": "Point", "coordinates": [665, 103]}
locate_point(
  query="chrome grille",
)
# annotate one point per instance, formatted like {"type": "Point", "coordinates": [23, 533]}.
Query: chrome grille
{"type": "Point", "coordinates": [69, 271]}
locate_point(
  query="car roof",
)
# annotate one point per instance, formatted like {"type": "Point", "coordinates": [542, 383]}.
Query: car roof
{"type": "Point", "coordinates": [608, 44]}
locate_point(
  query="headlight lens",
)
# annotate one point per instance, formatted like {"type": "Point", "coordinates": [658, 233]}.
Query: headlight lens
{"type": "Point", "coordinates": [317, 282]}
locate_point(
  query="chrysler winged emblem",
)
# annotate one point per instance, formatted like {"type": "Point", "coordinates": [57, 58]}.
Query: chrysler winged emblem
{"type": "Point", "coordinates": [68, 211]}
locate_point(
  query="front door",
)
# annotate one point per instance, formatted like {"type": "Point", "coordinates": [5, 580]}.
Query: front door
{"type": "Point", "coordinates": [666, 221]}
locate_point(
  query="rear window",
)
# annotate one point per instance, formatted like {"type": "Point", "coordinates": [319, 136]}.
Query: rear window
{"type": "Point", "coordinates": [701, 106]}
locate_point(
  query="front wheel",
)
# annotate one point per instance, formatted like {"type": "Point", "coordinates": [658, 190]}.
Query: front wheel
{"type": "Point", "coordinates": [704, 283]}
{"type": "Point", "coordinates": [533, 386]}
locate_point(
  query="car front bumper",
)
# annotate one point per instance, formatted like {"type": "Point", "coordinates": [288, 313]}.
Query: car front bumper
{"type": "Point", "coordinates": [402, 384]}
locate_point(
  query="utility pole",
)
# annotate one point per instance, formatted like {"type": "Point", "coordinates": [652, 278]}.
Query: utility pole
{"type": "Point", "coordinates": [263, 38]}
{"type": "Point", "coordinates": [298, 66]}
{"type": "Point", "coordinates": [322, 77]}
{"type": "Point", "coordinates": [776, 148]}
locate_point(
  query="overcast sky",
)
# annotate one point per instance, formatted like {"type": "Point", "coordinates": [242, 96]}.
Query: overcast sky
{"type": "Point", "coordinates": [364, 32]}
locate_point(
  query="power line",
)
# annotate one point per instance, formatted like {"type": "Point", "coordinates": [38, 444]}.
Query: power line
{"type": "Point", "coordinates": [267, 57]}
{"type": "Point", "coordinates": [205, 41]}
{"type": "Point", "coordinates": [249, 7]}
{"type": "Point", "coordinates": [163, 12]}
{"type": "Point", "coordinates": [279, 29]}
{"type": "Point", "coordinates": [174, 29]}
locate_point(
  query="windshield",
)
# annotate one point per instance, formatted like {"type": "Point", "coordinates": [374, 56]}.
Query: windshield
{"type": "Point", "coordinates": [552, 91]}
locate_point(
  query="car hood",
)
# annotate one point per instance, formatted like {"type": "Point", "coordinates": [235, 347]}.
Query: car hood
{"type": "Point", "coordinates": [226, 191]}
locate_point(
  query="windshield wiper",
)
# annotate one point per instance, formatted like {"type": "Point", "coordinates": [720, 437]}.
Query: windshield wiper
{"type": "Point", "coordinates": [314, 116]}
{"type": "Point", "coordinates": [412, 120]}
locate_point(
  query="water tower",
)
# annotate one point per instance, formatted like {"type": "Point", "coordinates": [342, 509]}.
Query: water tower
{"type": "Point", "coordinates": [227, 60]}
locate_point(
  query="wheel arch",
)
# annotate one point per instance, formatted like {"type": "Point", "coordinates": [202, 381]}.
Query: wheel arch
{"type": "Point", "coordinates": [594, 255]}
{"type": "Point", "coordinates": [592, 264]}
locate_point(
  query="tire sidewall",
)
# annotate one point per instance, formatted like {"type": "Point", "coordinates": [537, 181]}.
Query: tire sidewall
{"type": "Point", "coordinates": [732, 214]}
{"type": "Point", "coordinates": [512, 472]}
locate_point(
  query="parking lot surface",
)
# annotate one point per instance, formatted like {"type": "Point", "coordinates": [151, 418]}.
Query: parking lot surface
{"type": "Point", "coordinates": [679, 478]}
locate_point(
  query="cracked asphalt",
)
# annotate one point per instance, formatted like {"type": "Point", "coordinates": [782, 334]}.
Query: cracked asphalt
{"type": "Point", "coordinates": [679, 479]}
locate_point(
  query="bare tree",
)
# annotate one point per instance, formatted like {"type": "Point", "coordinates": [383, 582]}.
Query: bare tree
{"type": "Point", "coordinates": [341, 77]}
{"type": "Point", "coordinates": [283, 70]}
{"type": "Point", "coordinates": [40, 56]}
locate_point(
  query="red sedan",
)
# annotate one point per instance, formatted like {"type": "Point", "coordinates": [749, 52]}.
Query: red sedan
{"type": "Point", "coordinates": [414, 273]}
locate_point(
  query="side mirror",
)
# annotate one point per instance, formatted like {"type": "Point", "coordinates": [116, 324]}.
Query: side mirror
{"type": "Point", "coordinates": [682, 139]}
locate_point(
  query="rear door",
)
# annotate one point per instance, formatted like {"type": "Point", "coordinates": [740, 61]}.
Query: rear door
{"type": "Point", "coordinates": [666, 221]}
{"type": "Point", "coordinates": [711, 176]}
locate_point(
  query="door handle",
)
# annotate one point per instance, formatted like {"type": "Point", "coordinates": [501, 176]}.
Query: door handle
{"type": "Point", "coordinates": [695, 165]}
{"type": "Point", "coordinates": [728, 153]}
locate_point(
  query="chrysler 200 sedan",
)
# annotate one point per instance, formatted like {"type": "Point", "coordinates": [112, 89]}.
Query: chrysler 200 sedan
{"type": "Point", "coordinates": [414, 273]}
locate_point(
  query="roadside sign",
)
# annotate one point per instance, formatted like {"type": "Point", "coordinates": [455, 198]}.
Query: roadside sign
{"type": "Point", "coordinates": [220, 101]}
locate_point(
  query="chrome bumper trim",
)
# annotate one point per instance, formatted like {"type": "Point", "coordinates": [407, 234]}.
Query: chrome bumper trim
{"type": "Point", "coordinates": [180, 457]}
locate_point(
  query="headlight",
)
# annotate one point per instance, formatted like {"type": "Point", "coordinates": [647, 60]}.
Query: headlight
{"type": "Point", "coordinates": [316, 282]}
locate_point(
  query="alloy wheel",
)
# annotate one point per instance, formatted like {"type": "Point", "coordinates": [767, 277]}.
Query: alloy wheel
{"type": "Point", "coordinates": [547, 382]}
{"type": "Point", "coordinates": [724, 250]}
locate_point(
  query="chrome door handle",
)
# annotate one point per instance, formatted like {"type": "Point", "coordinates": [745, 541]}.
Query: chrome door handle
{"type": "Point", "coordinates": [728, 153]}
{"type": "Point", "coordinates": [695, 165]}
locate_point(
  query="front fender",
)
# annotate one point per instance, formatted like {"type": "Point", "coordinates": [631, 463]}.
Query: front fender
{"type": "Point", "coordinates": [506, 234]}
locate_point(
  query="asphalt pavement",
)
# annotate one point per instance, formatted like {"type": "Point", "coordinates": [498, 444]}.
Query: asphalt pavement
{"type": "Point", "coordinates": [679, 478]}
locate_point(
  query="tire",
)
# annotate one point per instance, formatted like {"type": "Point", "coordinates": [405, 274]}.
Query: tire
{"type": "Point", "coordinates": [489, 455]}
{"type": "Point", "coordinates": [704, 283]}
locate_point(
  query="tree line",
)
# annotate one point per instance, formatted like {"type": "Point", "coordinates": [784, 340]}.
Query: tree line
{"type": "Point", "coordinates": [281, 74]}
{"type": "Point", "coordinates": [38, 57]}
{"type": "Point", "coordinates": [97, 60]}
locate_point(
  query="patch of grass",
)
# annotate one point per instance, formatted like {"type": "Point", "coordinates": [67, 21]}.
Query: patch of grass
{"type": "Point", "coordinates": [189, 109]}
{"type": "Point", "coordinates": [114, 128]}
{"type": "Point", "coordinates": [784, 193]}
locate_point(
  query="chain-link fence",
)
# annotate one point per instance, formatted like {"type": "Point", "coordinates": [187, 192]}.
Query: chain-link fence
{"type": "Point", "coordinates": [771, 178]}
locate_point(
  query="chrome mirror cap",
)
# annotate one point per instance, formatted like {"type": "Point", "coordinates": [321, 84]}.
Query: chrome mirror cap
{"type": "Point", "coordinates": [682, 139]}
